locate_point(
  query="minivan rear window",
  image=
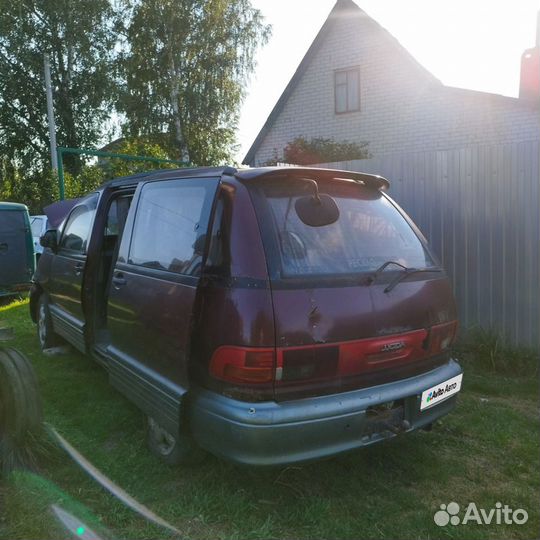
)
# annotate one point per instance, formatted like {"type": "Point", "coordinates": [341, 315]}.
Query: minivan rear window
{"type": "Point", "coordinates": [369, 231]}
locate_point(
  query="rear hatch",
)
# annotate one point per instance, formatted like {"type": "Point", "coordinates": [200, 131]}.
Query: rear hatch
{"type": "Point", "coordinates": [343, 319]}
{"type": "Point", "coordinates": [15, 259]}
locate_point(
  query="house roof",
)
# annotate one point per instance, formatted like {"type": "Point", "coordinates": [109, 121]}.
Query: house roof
{"type": "Point", "coordinates": [340, 8]}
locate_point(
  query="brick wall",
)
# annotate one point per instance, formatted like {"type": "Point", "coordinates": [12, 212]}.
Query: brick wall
{"type": "Point", "coordinates": [403, 107]}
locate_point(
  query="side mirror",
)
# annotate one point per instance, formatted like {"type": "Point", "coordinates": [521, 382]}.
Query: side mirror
{"type": "Point", "coordinates": [50, 240]}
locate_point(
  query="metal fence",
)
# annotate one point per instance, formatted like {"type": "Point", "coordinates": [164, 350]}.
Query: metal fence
{"type": "Point", "coordinates": [479, 209]}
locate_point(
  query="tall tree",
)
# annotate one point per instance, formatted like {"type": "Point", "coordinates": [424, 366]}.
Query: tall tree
{"type": "Point", "coordinates": [79, 37]}
{"type": "Point", "coordinates": [185, 68]}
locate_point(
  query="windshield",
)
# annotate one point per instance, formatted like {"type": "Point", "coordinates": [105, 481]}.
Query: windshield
{"type": "Point", "coordinates": [368, 232]}
{"type": "Point", "coordinates": [37, 224]}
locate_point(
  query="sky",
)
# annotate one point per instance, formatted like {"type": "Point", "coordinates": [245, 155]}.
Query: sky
{"type": "Point", "coordinates": [475, 44]}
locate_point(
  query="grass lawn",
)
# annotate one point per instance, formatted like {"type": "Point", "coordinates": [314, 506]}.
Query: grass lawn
{"type": "Point", "coordinates": [486, 451]}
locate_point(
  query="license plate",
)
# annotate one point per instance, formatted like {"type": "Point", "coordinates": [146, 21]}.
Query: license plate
{"type": "Point", "coordinates": [440, 392]}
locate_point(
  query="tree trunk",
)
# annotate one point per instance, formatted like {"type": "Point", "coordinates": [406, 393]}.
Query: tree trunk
{"type": "Point", "coordinates": [175, 95]}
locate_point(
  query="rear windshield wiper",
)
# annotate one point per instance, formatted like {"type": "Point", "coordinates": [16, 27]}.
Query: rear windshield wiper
{"type": "Point", "coordinates": [406, 272]}
{"type": "Point", "coordinates": [381, 269]}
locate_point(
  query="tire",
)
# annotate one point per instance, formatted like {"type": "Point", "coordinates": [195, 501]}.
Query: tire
{"type": "Point", "coordinates": [172, 450]}
{"type": "Point", "coordinates": [47, 337]}
{"type": "Point", "coordinates": [21, 413]}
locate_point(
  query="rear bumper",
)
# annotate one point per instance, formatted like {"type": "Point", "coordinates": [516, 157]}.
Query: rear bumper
{"type": "Point", "coordinates": [272, 433]}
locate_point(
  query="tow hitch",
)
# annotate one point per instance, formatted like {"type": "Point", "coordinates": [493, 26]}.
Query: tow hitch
{"type": "Point", "coordinates": [387, 417]}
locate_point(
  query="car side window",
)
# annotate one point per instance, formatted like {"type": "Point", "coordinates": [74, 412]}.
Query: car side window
{"type": "Point", "coordinates": [77, 230]}
{"type": "Point", "coordinates": [170, 226]}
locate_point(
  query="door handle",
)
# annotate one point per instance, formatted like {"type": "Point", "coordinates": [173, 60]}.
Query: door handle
{"type": "Point", "coordinates": [79, 267]}
{"type": "Point", "coordinates": [3, 247]}
{"type": "Point", "coordinates": [118, 280]}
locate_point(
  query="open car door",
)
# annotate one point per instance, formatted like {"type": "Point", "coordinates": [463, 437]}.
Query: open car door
{"type": "Point", "coordinates": [153, 291]}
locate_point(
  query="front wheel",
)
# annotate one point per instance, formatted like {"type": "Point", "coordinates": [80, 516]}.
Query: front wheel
{"type": "Point", "coordinates": [47, 337]}
{"type": "Point", "coordinates": [178, 449]}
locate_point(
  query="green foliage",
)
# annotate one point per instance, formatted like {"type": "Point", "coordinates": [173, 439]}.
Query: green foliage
{"type": "Point", "coordinates": [184, 71]}
{"type": "Point", "coordinates": [90, 177]}
{"type": "Point", "coordinates": [175, 70]}
{"type": "Point", "coordinates": [302, 151]}
{"type": "Point", "coordinates": [40, 188]}
{"type": "Point", "coordinates": [79, 38]}
{"type": "Point", "coordinates": [35, 189]}
{"type": "Point", "coordinates": [114, 168]}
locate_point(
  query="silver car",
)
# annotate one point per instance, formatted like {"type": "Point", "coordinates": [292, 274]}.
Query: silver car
{"type": "Point", "coordinates": [39, 225]}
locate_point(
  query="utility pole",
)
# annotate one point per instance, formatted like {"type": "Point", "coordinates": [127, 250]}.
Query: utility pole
{"type": "Point", "coordinates": [50, 113]}
{"type": "Point", "coordinates": [538, 29]}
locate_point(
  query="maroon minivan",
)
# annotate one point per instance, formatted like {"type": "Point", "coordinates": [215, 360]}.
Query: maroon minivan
{"type": "Point", "coordinates": [269, 316]}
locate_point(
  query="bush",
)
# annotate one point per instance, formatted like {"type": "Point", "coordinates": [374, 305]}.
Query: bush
{"type": "Point", "coordinates": [36, 190]}
{"type": "Point", "coordinates": [488, 350]}
{"type": "Point", "coordinates": [90, 178]}
{"type": "Point", "coordinates": [302, 151]}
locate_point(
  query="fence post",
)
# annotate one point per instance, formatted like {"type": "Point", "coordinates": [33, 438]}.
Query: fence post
{"type": "Point", "coordinates": [61, 184]}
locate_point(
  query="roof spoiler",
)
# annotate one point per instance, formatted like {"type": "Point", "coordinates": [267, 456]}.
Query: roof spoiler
{"type": "Point", "coordinates": [372, 181]}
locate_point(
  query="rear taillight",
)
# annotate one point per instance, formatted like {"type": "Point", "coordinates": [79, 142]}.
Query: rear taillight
{"type": "Point", "coordinates": [441, 337]}
{"type": "Point", "coordinates": [243, 365]}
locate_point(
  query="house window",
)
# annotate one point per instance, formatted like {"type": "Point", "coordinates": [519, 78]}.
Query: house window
{"type": "Point", "coordinates": [347, 90]}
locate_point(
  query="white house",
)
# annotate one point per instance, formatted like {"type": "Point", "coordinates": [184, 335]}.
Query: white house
{"type": "Point", "coordinates": [357, 83]}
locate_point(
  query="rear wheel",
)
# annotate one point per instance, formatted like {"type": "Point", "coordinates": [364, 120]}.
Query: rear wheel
{"type": "Point", "coordinates": [178, 449]}
{"type": "Point", "coordinates": [47, 337]}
